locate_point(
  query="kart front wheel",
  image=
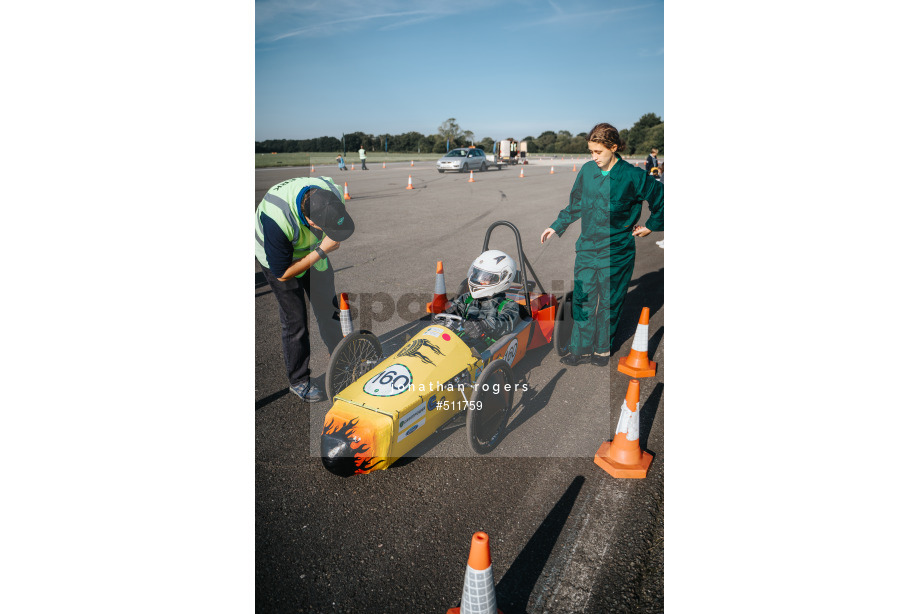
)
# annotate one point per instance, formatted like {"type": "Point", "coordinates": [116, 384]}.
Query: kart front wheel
{"type": "Point", "coordinates": [565, 321]}
{"type": "Point", "coordinates": [490, 407]}
{"type": "Point", "coordinates": [354, 356]}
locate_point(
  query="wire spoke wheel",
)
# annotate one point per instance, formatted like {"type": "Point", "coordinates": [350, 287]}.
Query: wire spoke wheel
{"type": "Point", "coordinates": [354, 356]}
{"type": "Point", "coordinates": [490, 407]}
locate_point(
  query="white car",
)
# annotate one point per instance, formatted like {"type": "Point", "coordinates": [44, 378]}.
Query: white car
{"type": "Point", "coordinates": [464, 160]}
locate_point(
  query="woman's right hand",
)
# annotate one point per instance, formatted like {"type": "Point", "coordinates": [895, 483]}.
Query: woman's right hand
{"type": "Point", "coordinates": [547, 234]}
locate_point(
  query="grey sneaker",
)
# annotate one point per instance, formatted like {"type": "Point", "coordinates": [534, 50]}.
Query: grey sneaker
{"type": "Point", "coordinates": [307, 391]}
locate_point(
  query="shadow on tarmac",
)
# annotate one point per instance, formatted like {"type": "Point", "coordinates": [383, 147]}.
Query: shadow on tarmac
{"type": "Point", "coordinates": [647, 413]}
{"type": "Point", "coordinates": [646, 291]}
{"type": "Point", "coordinates": [515, 587]}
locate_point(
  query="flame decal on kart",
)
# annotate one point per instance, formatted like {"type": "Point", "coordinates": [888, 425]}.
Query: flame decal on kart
{"type": "Point", "coordinates": [414, 349]}
{"type": "Point", "coordinates": [363, 464]}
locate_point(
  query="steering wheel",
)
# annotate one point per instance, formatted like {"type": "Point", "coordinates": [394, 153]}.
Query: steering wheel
{"type": "Point", "coordinates": [449, 320]}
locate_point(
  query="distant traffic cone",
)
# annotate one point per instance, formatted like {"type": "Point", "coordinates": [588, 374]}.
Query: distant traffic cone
{"type": "Point", "coordinates": [347, 196]}
{"type": "Point", "coordinates": [312, 170]}
{"type": "Point", "coordinates": [412, 163]}
{"type": "Point", "coordinates": [439, 302]}
{"type": "Point", "coordinates": [637, 363]}
{"type": "Point", "coordinates": [471, 178]}
{"type": "Point", "coordinates": [623, 457]}
{"type": "Point", "coordinates": [345, 315]}
{"type": "Point", "coordinates": [409, 187]}
{"type": "Point", "coordinates": [573, 167]}
{"type": "Point", "coordinates": [478, 582]}
{"type": "Point", "coordinates": [384, 165]}
{"type": "Point", "coordinates": [552, 170]}
{"type": "Point", "coordinates": [522, 172]}
{"type": "Point", "coordinates": [352, 166]}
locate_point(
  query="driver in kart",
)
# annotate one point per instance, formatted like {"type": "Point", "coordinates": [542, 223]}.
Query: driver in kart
{"type": "Point", "coordinates": [487, 313]}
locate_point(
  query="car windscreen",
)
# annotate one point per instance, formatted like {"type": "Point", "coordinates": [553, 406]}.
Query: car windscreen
{"type": "Point", "coordinates": [456, 153]}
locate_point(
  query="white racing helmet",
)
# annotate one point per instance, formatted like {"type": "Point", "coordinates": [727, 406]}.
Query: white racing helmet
{"type": "Point", "coordinates": [492, 272]}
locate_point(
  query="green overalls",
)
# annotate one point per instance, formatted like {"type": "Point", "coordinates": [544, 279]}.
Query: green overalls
{"type": "Point", "coordinates": [608, 206]}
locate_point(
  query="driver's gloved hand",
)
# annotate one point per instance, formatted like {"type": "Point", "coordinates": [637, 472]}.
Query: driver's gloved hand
{"type": "Point", "coordinates": [474, 329]}
{"type": "Point", "coordinates": [450, 308]}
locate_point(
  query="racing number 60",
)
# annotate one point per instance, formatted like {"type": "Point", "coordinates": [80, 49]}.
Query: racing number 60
{"type": "Point", "coordinates": [390, 378]}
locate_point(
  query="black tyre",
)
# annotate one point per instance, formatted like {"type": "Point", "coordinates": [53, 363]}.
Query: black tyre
{"type": "Point", "coordinates": [354, 356]}
{"type": "Point", "coordinates": [562, 331]}
{"type": "Point", "coordinates": [490, 407]}
{"type": "Point", "coordinates": [440, 170]}
{"type": "Point", "coordinates": [483, 167]}
{"type": "Point", "coordinates": [464, 169]}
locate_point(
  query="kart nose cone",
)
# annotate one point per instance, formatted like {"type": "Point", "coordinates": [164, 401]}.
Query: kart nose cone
{"type": "Point", "coordinates": [337, 455]}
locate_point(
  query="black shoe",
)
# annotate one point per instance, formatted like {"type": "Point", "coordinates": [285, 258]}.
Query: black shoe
{"type": "Point", "coordinates": [600, 361]}
{"type": "Point", "coordinates": [572, 360]}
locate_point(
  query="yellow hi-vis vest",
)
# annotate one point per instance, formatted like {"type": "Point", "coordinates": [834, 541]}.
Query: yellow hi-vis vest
{"type": "Point", "coordinates": [281, 205]}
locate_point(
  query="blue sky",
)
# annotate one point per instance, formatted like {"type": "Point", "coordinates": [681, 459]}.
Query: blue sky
{"type": "Point", "coordinates": [501, 68]}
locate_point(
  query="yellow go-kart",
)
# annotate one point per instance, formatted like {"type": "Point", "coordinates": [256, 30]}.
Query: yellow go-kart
{"type": "Point", "coordinates": [384, 407]}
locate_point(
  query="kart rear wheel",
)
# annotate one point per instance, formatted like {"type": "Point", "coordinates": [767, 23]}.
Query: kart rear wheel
{"type": "Point", "coordinates": [485, 426]}
{"type": "Point", "coordinates": [562, 332]}
{"type": "Point", "coordinates": [354, 356]}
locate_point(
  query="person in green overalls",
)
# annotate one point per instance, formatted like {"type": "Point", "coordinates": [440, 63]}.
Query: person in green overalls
{"type": "Point", "coordinates": [607, 197]}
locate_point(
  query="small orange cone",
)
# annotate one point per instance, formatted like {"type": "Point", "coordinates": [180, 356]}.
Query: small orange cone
{"type": "Point", "coordinates": [439, 302]}
{"type": "Point", "coordinates": [622, 457]}
{"type": "Point", "coordinates": [345, 315]}
{"type": "Point", "coordinates": [384, 165]}
{"type": "Point", "coordinates": [471, 178]}
{"type": "Point", "coordinates": [412, 163]}
{"type": "Point", "coordinates": [312, 170]}
{"type": "Point", "coordinates": [347, 195]}
{"type": "Point", "coordinates": [352, 166]}
{"type": "Point", "coordinates": [409, 187]}
{"type": "Point", "coordinates": [573, 168]}
{"type": "Point", "coordinates": [552, 170]}
{"type": "Point", "coordinates": [637, 363]}
{"type": "Point", "coordinates": [478, 582]}
{"type": "Point", "coordinates": [522, 172]}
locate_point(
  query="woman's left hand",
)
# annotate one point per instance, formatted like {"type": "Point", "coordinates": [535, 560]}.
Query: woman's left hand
{"type": "Point", "coordinates": [641, 231]}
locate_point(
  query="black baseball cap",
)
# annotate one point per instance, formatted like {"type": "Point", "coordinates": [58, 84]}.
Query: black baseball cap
{"type": "Point", "coordinates": [328, 212]}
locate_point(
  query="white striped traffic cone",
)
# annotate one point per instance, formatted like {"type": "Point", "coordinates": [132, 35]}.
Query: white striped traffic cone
{"type": "Point", "coordinates": [637, 363]}
{"type": "Point", "coordinates": [345, 315]}
{"type": "Point", "coordinates": [522, 172]}
{"type": "Point", "coordinates": [623, 457]}
{"type": "Point", "coordinates": [478, 582]}
{"type": "Point", "coordinates": [471, 178]}
{"type": "Point", "coordinates": [412, 163]}
{"type": "Point", "coordinates": [552, 170]}
{"type": "Point", "coordinates": [439, 302]}
{"type": "Point", "coordinates": [347, 195]}
{"type": "Point", "coordinates": [409, 187]}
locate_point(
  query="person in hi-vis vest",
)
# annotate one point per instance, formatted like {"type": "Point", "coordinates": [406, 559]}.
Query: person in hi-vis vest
{"type": "Point", "coordinates": [299, 223]}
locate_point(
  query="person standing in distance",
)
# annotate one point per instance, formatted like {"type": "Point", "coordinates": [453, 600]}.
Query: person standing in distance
{"type": "Point", "coordinates": [607, 197]}
{"type": "Point", "coordinates": [363, 155]}
{"type": "Point", "coordinates": [298, 224]}
{"type": "Point", "coordinates": [652, 160]}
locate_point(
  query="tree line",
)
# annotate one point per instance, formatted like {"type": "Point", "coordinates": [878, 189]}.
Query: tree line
{"type": "Point", "coordinates": [645, 134]}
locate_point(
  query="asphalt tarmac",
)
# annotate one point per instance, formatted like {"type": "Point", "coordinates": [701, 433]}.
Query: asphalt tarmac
{"type": "Point", "coordinates": [565, 536]}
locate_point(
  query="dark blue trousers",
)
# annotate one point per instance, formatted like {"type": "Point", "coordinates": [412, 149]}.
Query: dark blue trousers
{"type": "Point", "coordinates": [317, 287]}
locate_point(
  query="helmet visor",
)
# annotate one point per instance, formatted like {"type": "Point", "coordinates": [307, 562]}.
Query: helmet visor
{"type": "Point", "coordinates": [483, 278]}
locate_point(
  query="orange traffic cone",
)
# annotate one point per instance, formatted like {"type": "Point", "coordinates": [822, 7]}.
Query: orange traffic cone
{"type": "Point", "coordinates": [439, 302]}
{"type": "Point", "coordinates": [312, 170]}
{"type": "Point", "coordinates": [352, 166]}
{"type": "Point", "coordinates": [478, 583]}
{"type": "Point", "coordinates": [552, 170]}
{"type": "Point", "coordinates": [409, 187]}
{"type": "Point", "coordinates": [345, 315]}
{"type": "Point", "coordinates": [384, 165]}
{"type": "Point", "coordinates": [412, 163]}
{"type": "Point", "coordinates": [347, 196]}
{"type": "Point", "coordinates": [637, 363]}
{"type": "Point", "coordinates": [522, 172]}
{"type": "Point", "coordinates": [471, 178]}
{"type": "Point", "coordinates": [622, 457]}
{"type": "Point", "coordinates": [573, 167]}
